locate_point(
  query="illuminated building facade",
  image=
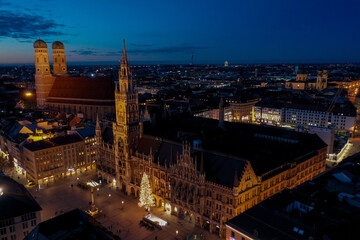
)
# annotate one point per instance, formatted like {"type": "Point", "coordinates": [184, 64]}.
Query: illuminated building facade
{"type": "Point", "coordinates": [242, 111]}
{"type": "Point", "coordinates": [324, 208]}
{"type": "Point", "coordinates": [14, 134]}
{"type": "Point", "coordinates": [274, 112]}
{"type": "Point", "coordinates": [59, 91]}
{"type": "Point", "coordinates": [54, 158]}
{"type": "Point", "coordinates": [303, 83]}
{"type": "Point", "coordinates": [237, 111]}
{"type": "Point", "coordinates": [214, 114]}
{"type": "Point", "coordinates": [212, 181]}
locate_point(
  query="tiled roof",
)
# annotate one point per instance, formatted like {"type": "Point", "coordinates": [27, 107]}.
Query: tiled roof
{"type": "Point", "coordinates": [218, 168]}
{"type": "Point", "coordinates": [86, 90]}
{"type": "Point", "coordinates": [75, 224]}
{"type": "Point", "coordinates": [53, 142]}
{"type": "Point", "coordinates": [266, 224]}
{"type": "Point", "coordinates": [16, 200]}
{"type": "Point", "coordinates": [88, 131]}
{"type": "Point", "coordinates": [265, 147]}
{"type": "Point", "coordinates": [107, 135]}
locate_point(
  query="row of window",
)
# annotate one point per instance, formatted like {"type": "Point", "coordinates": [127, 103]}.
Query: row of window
{"type": "Point", "coordinates": [25, 225]}
{"type": "Point", "coordinates": [12, 237]}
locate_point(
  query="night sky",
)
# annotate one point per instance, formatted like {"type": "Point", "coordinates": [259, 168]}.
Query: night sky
{"type": "Point", "coordinates": [240, 31]}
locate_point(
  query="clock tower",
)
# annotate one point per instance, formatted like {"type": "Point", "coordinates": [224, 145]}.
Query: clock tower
{"type": "Point", "coordinates": [126, 129]}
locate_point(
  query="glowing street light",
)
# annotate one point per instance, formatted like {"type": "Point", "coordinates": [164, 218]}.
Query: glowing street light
{"type": "Point", "coordinates": [28, 94]}
{"type": "Point", "coordinates": [1, 192]}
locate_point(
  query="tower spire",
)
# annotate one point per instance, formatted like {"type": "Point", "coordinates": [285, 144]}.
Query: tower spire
{"type": "Point", "coordinates": [98, 130]}
{"type": "Point", "coordinates": [125, 79]}
{"type": "Point", "coordinates": [97, 122]}
{"type": "Point", "coordinates": [202, 162]}
{"type": "Point", "coordinates": [171, 155]}
{"type": "Point", "coordinates": [236, 179]}
{"type": "Point", "coordinates": [125, 61]}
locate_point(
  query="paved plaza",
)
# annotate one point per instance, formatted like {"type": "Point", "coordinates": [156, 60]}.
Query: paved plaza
{"type": "Point", "coordinates": [121, 213]}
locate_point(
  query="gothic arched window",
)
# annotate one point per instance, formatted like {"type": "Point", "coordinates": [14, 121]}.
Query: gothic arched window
{"type": "Point", "coordinates": [120, 145]}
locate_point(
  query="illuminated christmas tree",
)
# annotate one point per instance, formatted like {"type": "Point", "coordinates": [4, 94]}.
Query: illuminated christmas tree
{"type": "Point", "coordinates": [146, 198]}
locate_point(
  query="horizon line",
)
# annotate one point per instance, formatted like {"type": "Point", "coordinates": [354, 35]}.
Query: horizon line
{"type": "Point", "coordinates": [178, 63]}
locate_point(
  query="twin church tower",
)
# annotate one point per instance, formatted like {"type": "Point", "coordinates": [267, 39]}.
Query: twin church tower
{"type": "Point", "coordinates": [44, 80]}
{"type": "Point", "coordinates": [57, 90]}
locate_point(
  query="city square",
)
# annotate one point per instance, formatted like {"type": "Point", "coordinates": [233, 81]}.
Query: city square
{"type": "Point", "coordinates": [121, 213]}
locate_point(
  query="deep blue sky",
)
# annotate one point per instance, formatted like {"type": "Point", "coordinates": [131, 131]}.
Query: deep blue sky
{"type": "Point", "coordinates": [169, 31]}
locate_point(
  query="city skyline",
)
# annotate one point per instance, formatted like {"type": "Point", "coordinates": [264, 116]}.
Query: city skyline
{"type": "Point", "coordinates": [157, 33]}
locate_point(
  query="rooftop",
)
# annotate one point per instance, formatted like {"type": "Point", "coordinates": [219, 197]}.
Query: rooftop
{"type": "Point", "coordinates": [86, 132]}
{"type": "Point", "coordinates": [53, 142]}
{"type": "Point", "coordinates": [265, 147]}
{"type": "Point", "coordinates": [83, 90]}
{"type": "Point", "coordinates": [324, 208]}
{"type": "Point", "coordinates": [346, 108]}
{"type": "Point", "coordinates": [219, 168]}
{"type": "Point", "coordinates": [72, 225]}
{"type": "Point", "coordinates": [16, 199]}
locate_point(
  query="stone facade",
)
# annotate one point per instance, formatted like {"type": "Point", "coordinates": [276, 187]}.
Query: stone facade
{"type": "Point", "coordinates": [180, 175]}
{"type": "Point", "coordinates": [55, 158]}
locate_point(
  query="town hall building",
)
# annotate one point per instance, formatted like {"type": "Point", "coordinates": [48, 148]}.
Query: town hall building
{"type": "Point", "coordinates": [202, 170]}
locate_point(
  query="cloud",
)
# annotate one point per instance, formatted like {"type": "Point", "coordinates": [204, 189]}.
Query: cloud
{"type": "Point", "coordinates": [22, 25]}
{"type": "Point", "coordinates": [113, 53]}
{"type": "Point", "coordinates": [85, 52]}
{"type": "Point", "coordinates": [141, 45]}
{"type": "Point", "coordinates": [4, 3]}
{"type": "Point", "coordinates": [136, 51]}
{"type": "Point", "coordinates": [26, 41]}
{"type": "Point", "coordinates": [171, 49]}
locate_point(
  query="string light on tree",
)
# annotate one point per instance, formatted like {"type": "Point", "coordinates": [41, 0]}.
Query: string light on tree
{"type": "Point", "coordinates": [146, 198]}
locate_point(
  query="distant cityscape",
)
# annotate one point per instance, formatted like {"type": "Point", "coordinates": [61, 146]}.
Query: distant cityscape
{"type": "Point", "coordinates": [258, 151]}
